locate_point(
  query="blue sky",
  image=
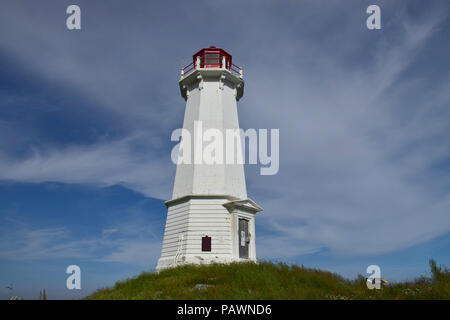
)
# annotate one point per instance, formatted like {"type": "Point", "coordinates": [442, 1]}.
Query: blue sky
{"type": "Point", "coordinates": [86, 118]}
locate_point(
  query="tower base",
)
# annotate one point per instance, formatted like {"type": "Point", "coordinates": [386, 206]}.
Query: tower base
{"type": "Point", "coordinates": [165, 263]}
{"type": "Point", "coordinates": [208, 229]}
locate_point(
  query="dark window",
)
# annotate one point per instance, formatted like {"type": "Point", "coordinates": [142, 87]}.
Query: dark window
{"type": "Point", "coordinates": [206, 243]}
{"type": "Point", "coordinates": [212, 58]}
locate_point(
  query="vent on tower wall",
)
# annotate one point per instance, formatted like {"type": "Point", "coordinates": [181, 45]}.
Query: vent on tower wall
{"type": "Point", "coordinates": [206, 243]}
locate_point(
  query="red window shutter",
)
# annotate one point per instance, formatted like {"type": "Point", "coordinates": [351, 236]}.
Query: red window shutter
{"type": "Point", "coordinates": [206, 243]}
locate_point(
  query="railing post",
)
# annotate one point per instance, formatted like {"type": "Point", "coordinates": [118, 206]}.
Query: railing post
{"type": "Point", "coordinates": [241, 72]}
{"type": "Point", "coordinates": [197, 63]}
{"type": "Point", "coordinates": [182, 74]}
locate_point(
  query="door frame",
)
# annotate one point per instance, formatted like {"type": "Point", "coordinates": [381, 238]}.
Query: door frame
{"type": "Point", "coordinates": [250, 217]}
{"type": "Point", "coordinates": [245, 228]}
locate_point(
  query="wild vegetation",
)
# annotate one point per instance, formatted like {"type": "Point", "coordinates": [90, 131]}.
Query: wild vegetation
{"type": "Point", "coordinates": [269, 281]}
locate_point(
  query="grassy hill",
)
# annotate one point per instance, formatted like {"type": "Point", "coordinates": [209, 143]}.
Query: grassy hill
{"type": "Point", "coordinates": [268, 281]}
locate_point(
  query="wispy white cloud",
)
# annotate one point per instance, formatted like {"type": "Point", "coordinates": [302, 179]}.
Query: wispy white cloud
{"type": "Point", "coordinates": [131, 240]}
{"type": "Point", "coordinates": [142, 253]}
{"type": "Point", "coordinates": [106, 232]}
{"type": "Point", "coordinates": [47, 243]}
{"type": "Point", "coordinates": [356, 172]}
{"type": "Point", "coordinates": [284, 246]}
{"type": "Point", "coordinates": [102, 164]}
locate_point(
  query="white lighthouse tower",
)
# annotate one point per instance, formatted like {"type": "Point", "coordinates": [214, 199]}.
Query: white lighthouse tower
{"type": "Point", "coordinates": [209, 218]}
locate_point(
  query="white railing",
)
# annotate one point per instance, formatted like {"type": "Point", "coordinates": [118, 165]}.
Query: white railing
{"type": "Point", "coordinates": [236, 70]}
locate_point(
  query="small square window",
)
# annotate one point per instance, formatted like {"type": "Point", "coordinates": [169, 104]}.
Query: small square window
{"type": "Point", "coordinates": [206, 243]}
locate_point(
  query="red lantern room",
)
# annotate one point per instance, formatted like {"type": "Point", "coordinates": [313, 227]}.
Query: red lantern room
{"type": "Point", "coordinates": [212, 57]}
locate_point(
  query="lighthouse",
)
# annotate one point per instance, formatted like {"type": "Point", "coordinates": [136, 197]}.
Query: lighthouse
{"type": "Point", "coordinates": [209, 217]}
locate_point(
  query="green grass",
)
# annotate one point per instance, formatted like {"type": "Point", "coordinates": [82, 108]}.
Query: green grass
{"type": "Point", "coordinates": [269, 281]}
